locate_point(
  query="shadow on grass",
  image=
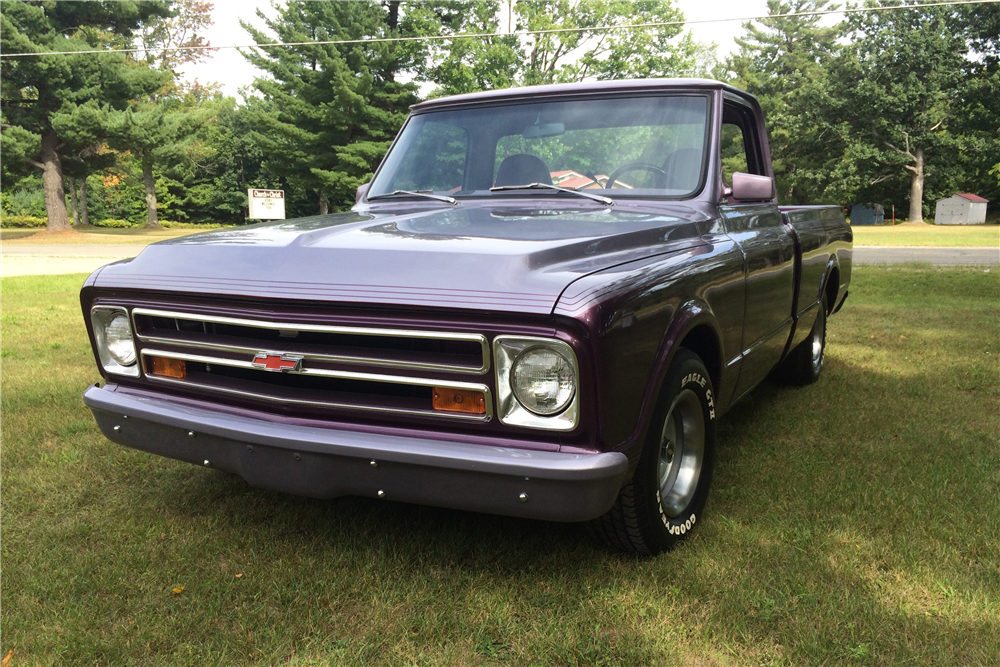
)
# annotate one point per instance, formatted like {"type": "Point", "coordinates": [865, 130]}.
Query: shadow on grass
{"type": "Point", "coordinates": [835, 533]}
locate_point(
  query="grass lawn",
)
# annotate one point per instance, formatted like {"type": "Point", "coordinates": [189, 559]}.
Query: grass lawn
{"type": "Point", "coordinates": [95, 235]}
{"type": "Point", "coordinates": [923, 234]}
{"type": "Point", "coordinates": [853, 522]}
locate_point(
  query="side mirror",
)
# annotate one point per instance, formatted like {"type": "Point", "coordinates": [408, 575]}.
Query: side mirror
{"type": "Point", "coordinates": [362, 191]}
{"type": "Point", "coordinates": [751, 187]}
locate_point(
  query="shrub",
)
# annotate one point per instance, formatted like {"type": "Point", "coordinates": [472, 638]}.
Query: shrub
{"type": "Point", "coordinates": [22, 221]}
{"type": "Point", "coordinates": [115, 223]}
{"type": "Point", "coordinates": [173, 224]}
{"type": "Point", "coordinates": [27, 201]}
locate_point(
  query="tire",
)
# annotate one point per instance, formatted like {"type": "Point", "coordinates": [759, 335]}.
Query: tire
{"type": "Point", "coordinates": [804, 363]}
{"type": "Point", "coordinates": [663, 501]}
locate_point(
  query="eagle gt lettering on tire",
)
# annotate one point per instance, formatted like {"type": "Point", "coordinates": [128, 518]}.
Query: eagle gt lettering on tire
{"type": "Point", "coordinates": [662, 502]}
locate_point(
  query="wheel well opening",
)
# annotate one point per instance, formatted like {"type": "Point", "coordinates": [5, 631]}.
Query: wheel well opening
{"type": "Point", "coordinates": [702, 341]}
{"type": "Point", "coordinates": [832, 288]}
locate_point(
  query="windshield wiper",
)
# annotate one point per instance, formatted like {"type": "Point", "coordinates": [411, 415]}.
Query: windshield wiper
{"type": "Point", "coordinates": [414, 193]}
{"type": "Point", "coordinates": [608, 201]}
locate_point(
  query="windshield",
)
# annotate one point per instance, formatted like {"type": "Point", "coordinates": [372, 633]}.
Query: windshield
{"type": "Point", "coordinates": [640, 146]}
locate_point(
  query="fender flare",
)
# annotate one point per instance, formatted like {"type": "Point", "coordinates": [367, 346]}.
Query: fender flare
{"type": "Point", "coordinates": [831, 265]}
{"type": "Point", "coordinates": [693, 313]}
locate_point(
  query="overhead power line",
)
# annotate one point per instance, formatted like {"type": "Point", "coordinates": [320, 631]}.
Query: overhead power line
{"type": "Point", "coordinates": [523, 33]}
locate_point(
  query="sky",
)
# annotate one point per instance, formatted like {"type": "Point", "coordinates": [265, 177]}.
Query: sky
{"type": "Point", "coordinates": [230, 69]}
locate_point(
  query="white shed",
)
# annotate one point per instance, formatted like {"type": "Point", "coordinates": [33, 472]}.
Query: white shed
{"type": "Point", "coordinates": [961, 209]}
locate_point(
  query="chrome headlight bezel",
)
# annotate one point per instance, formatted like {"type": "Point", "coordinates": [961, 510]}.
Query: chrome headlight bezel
{"type": "Point", "coordinates": [506, 350]}
{"type": "Point", "coordinates": [100, 317]}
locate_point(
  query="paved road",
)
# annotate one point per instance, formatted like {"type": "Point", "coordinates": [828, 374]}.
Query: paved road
{"type": "Point", "coordinates": [939, 256]}
{"type": "Point", "coordinates": [39, 259]}
{"type": "Point", "coordinates": [24, 260]}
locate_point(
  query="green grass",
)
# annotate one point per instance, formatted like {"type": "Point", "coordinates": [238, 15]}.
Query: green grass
{"type": "Point", "coordinates": [852, 522]}
{"type": "Point", "coordinates": [928, 235]}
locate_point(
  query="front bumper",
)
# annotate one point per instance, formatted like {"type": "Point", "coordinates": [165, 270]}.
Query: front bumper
{"type": "Point", "coordinates": [329, 463]}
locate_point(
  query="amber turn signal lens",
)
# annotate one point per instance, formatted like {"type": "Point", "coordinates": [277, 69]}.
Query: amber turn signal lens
{"type": "Point", "coordinates": [459, 400]}
{"type": "Point", "coordinates": [171, 368]}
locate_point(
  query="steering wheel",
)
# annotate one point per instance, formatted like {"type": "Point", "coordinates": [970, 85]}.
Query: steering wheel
{"type": "Point", "coordinates": [634, 166]}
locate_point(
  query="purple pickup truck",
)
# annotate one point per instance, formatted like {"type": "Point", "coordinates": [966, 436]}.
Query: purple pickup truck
{"type": "Point", "coordinates": [539, 306]}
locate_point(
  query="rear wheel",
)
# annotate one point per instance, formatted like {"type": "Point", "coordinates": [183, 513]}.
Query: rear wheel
{"type": "Point", "coordinates": [666, 495]}
{"type": "Point", "coordinates": [803, 364]}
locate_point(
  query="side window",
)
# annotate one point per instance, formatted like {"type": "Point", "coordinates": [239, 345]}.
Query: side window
{"type": "Point", "coordinates": [733, 151]}
{"type": "Point", "coordinates": [739, 149]}
{"type": "Point", "coordinates": [436, 161]}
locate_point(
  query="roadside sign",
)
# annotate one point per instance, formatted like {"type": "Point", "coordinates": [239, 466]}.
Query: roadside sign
{"type": "Point", "coordinates": [266, 204]}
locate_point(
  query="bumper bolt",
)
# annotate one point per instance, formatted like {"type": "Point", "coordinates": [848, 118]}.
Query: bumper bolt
{"type": "Point", "coordinates": [374, 463]}
{"type": "Point", "coordinates": [249, 448]}
{"type": "Point", "coordinates": [117, 428]}
{"type": "Point", "coordinates": [207, 463]}
{"type": "Point", "coordinates": [298, 457]}
{"type": "Point", "coordinates": [523, 497]}
{"type": "Point", "coordinates": [381, 493]}
{"type": "Point", "coordinates": [190, 434]}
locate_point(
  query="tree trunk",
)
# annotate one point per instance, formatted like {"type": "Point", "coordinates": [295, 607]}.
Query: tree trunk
{"type": "Point", "coordinates": [72, 201]}
{"type": "Point", "coordinates": [324, 205]}
{"type": "Point", "coordinates": [917, 188]}
{"type": "Point", "coordinates": [393, 14]}
{"type": "Point", "coordinates": [52, 183]}
{"type": "Point", "coordinates": [147, 179]}
{"type": "Point", "coordinates": [84, 216]}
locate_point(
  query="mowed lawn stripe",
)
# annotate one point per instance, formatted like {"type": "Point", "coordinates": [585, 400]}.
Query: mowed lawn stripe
{"type": "Point", "coordinates": [855, 521]}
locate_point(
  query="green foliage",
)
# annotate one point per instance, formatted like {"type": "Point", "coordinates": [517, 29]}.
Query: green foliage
{"type": "Point", "coordinates": [893, 92]}
{"type": "Point", "coordinates": [115, 223]}
{"type": "Point", "coordinates": [57, 105]}
{"type": "Point", "coordinates": [851, 120]}
{"type": "Point", "coordinates": [328, 113]}
{"type": "Point", "coordinates": [20, 221]}
{"type": "Point", "coordinates": [504, 61]}
{"type": "Point", "coordinates": [26, 198]}
{"type": "Point", "coordinates": [783, 61]}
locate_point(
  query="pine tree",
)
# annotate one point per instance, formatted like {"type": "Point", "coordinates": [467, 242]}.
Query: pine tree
{"type": "Point", "coordinates": [328, 112]}
{"type": "Point", "coordinates": [58, 103]}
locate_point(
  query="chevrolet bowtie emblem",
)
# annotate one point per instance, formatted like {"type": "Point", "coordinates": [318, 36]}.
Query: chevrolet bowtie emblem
{"type": "Point", "coordinates": [277, 362]}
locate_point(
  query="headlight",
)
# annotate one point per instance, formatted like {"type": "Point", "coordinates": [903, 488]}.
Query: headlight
{"type": "Point", "coordinates": [118, 338]}
{"type": "Point", "coordinates": [537, 382]}
{"type": "Point", "coordinates": [113, 335]}
{"type": "Point", "coordinates": [543, 381]}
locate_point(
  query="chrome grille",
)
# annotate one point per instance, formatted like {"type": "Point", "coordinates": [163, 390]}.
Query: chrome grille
{"type": "Point", "coordinates": [232, 357]}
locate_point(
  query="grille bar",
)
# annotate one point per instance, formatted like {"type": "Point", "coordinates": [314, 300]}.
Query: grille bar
{"type": "Point", "coordinates": [334, 399]}
{"type": "Point", "coordinates": [351, 341]}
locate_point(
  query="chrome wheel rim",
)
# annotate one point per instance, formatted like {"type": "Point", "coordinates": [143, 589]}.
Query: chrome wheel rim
{"type": "Point", "coordinates": [681, 453]}
{"type": "Point", "coordinates": [818, 339]}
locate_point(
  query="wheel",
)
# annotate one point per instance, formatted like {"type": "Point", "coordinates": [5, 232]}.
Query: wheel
{"type": "Point", "coordinates": [633, 166]}
{"type": "Point", "coordinates": [663, 501]}
{"type": "Point", "coordinates": [804, 363]}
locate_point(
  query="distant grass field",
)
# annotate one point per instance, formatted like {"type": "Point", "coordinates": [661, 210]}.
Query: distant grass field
{"type": "Point", "coordinates": [923, 234]}
{"type": "Point", "coordinates": [852, 522]}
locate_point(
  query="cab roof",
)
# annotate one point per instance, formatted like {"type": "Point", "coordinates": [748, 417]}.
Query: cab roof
{"type": "Point", "coordinates": [575, 90]}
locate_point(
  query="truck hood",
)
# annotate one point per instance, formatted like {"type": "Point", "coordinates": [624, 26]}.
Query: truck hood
{"type": "Point", "coordinates": [472, 256]}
